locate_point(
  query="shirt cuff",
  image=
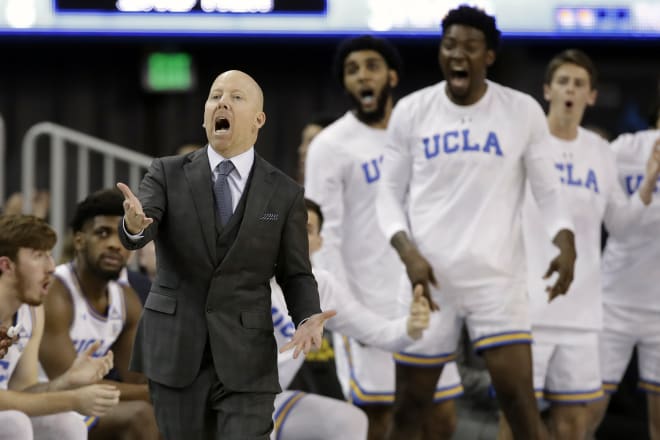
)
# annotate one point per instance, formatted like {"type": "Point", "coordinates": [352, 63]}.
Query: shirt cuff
{"type": "Point", "coordinates": [303, 321]}
{"type": "Point", "coordinates": [132, 237]}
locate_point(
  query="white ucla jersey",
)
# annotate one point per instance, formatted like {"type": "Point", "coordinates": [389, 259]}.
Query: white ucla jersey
{"type": "Point", "coordinates": [630, 262]}
{"type": "Point", "coordinates": [353, 319]}
{"type": "Point", "coordinates": [454, 179]}
{"type": "Point", "coordinates": [586, 168]}
{"type": "Point", "coordinates": [25, 316]}
{"type": "Point", "coordinates": [343, 171]}
{"type": "Point", "coordinates": [88, 325]}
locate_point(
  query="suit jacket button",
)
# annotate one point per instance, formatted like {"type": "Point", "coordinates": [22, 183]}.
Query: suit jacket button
{"type": "Point", "coordinates": [209, 310]}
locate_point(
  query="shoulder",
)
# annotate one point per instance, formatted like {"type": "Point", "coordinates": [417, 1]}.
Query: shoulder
{"type": "Point", "coordinates": [424, 96]}
{"type": "Point", "coordinates": [333, 137]}
{"type": "Point", "coordinates": [177, 161]}
{"type": "Point", "coordinates": [635, 143]}
{"type": "Point", "coordinates": [507, 96]}
{"type": "Point", "coordinates": [277, 176]}
{"type": "Point", "coordinates": [58, 302]}
{"type": "Point", "coordinates": [132, 301]}
{"type": "Point", "coordinates": [591, 138]}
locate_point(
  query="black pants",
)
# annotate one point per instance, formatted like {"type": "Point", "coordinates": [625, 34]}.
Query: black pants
{"type": "Point", "coordinates": [205, 410]}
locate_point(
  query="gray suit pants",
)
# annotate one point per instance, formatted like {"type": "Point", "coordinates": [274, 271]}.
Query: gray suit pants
{"type": "Point", "coordinates": [205, 410]}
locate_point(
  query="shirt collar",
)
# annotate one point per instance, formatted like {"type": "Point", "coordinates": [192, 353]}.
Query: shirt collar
{"type": "Point", "coordinates": [242, 162]}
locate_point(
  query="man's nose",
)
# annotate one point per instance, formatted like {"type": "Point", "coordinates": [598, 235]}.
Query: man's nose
{"type": "Point", "coordinates": [362, 73]}
{"type": "Point", "coordinates": [50, 264]}
{"type": "Point", "coordinates": [223, 102]}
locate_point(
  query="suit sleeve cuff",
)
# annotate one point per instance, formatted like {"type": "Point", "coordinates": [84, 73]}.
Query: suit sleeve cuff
{"type": "Point", "coordinates": [132, 237]}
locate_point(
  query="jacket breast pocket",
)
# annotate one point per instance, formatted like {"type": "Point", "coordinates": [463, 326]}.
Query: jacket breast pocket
{"type": "Point", "coordinates": [160, 303]}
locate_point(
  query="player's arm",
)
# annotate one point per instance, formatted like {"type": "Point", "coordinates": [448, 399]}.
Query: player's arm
{"type": "Point", "coordinates": [26, 373]}
{"type": "Point", "coordinates": [93, 400]}
{"type": "Point", "coordinates": [538, 160]}
{"type": "Point", "coordinates": [358, 322]}
{"type": "Point", "coordinates": [622, 212]}
{"type": "Point", "coordinates": [58, 356]}
{"type": "Point", "coordinates": [57, 352]}
{"type": "Point", "coordinates": [392, 193]}
{"type": "Point", "coordinates": [133, 385]}
{"type": "Point", "coordinates": [324, 184]}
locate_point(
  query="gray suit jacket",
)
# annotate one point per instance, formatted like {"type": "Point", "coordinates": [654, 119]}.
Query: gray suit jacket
{"type": "Point", "coordinates": [195, 296]}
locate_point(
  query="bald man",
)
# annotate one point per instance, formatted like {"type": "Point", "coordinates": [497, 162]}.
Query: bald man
{"type": "Point", "coordinates": [224, 221]}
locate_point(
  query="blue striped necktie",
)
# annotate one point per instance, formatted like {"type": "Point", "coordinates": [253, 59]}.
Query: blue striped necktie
{"type": "Point", "coordinates": [221, 191]}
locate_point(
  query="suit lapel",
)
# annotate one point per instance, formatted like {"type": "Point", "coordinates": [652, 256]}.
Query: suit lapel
{"type": "Point", "coordinates": [198, 174]}
{"type": "Point", "coordinates": [260, 192]}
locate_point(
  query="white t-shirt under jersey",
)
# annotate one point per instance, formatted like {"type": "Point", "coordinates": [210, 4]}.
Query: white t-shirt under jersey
{"type": "Point", "coordinates": [25, 316]}
{"type": "Point", "coordinates": [587, 170]}
{"type": "Point", "coordinates": [630, 262]}
{"type": "Point", "coordinates": [352, 319]}
{"type": "Point", "coordinates": [461, 171]}
{"type": "Point", "coordinates": [88, 326]}
{"type": "Point", "coordinates": [342, 174]}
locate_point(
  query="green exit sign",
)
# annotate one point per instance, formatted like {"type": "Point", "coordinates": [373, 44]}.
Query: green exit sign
{"type": "Point", "coordinates": [169, 72]}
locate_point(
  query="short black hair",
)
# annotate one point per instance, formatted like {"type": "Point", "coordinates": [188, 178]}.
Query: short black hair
{"type": "Point", "coordinates": [366, 42]}
{"type": "Point", "coordinates": [102, 202]}
{"type": "Point", "coordinates": [315, 208]}
{"type": "Point", "coordinates": [476, 18]}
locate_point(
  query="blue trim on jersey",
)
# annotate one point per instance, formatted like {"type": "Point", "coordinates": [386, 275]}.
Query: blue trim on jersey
{"type": "Point", "coordinates": [90, 422]}
{"type": "Point", "coordinates": [280, 416]}
{"type": "Point", "coordinates": [500, 339]}
{"type": "Point", "coordinates": [648, 386]}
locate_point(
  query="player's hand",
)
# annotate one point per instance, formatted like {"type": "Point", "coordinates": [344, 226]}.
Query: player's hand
{"type": "Point", "coordinates": [563, 264]}
{"type": "Point", "coordinates": [650, 182]}
{"type": "Point", "coordinates": [420, 313]}
{"type": "Point", "coordinates": [134, 218]}
{"type": "Point", "coordinates": [420, 273]}
{"type": "Point", "coordinates": [5, 341]}
{"type": "Point", "coordinates": [87, 369]}
{"type": "Point", "coordinates": [96, 400]}
{"type": "Point", "coordinates": [653, 162]}
{"type": "Point", "coordinates": [309, 334]}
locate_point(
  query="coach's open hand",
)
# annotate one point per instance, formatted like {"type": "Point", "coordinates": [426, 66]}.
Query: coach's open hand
{"type": "Point", "coordinates": [309, 334]}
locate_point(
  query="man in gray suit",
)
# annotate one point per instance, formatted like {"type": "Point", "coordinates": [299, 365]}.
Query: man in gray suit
{"type": "Point", "coordinates": [224, 221]}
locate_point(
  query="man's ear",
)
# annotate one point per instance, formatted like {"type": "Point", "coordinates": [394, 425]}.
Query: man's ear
{"type": "Point", "coordinates": [260, 119]}
{"type": "Point", "coordinates": [78, 241]}
{"type": "Point", "coordinates": [546, 92]}
{"type": "Point", "coordinates": [6, 264]}
{"type": "Point", "coordinates": [490, 57]}
{"type": "Point", "coordinates": [393, 78]}
{"type": "Point", "coordinates": [593, 95]}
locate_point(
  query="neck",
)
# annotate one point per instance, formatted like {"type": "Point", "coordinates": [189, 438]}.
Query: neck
{"type": "Point", "coordinates": [9, 302]}
{"type": "Point", "coordinates": [472, 96]}
{"type": "Point", "coordinates": [91, 286]}
{"type": "Point", "coordinates": [563, 126]}
{"type": "Point", "coordinates": [231, 152]}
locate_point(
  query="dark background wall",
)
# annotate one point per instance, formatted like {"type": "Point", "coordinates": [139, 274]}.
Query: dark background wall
{"type": "Point", "coordinates": [93, 84]}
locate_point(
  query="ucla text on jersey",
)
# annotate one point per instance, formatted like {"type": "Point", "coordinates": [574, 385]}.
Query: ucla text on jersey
{"type": "Point", "coordinates": [459, 141]}
{"type": "Point", "coordinates": [282, 323]}
{"type": "Point", "coordinates": [568, 177]}
{"type": "Point", "coordinates": [80, 345]}
{"type": "Point", "coordinates": [634, 180]}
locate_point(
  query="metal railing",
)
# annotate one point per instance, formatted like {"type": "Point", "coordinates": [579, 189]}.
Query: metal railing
{"type": "Point", "coordinates": [59, 138]}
